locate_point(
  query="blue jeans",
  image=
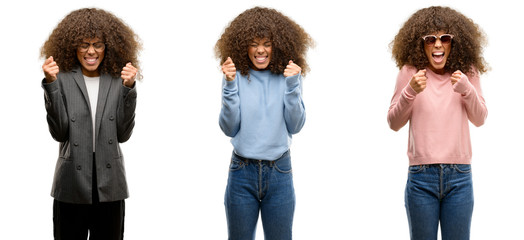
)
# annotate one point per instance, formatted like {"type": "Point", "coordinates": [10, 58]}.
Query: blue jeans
{"type": "Point", "coordinates": [261, 186]}
{"type": "Point", "coordinates": [439, 192]}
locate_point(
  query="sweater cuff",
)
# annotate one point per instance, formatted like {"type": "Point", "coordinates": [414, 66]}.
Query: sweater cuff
{"type": "Point", "coordinates": [293, 81]}
{"type": "Point", "coordinates": [463, 85]}
{"type": "Point", "coordinates": [230, 85]}
{"type": "Point", "coordinates": [409, 93]}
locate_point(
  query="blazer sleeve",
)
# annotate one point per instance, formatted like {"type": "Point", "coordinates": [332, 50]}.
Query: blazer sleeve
{"type": "Point", "coordinates": [126, 113]}
{"type": "Point", "coordinates": [55, 105]}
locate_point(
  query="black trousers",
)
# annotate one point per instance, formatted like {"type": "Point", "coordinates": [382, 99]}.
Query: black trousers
{"type": "Point", "coordinates": [103, 220]}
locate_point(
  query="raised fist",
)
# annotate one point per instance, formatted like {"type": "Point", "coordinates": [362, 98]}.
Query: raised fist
{"type": "Point", "coordinates": [291, 69]}
{"type": "Point", "coordinates": [418, 81]}
{"type": "Point", "coordinates": [50, 70]}
{"type": "Point", "coordinates": [128, 75]}
{"type": "Point", "coordinates": [229, 70]}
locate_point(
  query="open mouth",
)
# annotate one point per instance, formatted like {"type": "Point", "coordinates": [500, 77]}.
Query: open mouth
{"type": "Point", "coordinates": [91, 60]}
{"type": "Point", "coordinates": [438, 57]}
{"type": "Point", "coordinates": [260, 59]}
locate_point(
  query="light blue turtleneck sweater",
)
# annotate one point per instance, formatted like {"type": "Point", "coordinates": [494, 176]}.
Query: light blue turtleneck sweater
{"type": "Point", "coordinates": [260, 113]}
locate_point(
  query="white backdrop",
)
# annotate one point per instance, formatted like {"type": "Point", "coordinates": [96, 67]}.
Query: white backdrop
{"type": "Point", "coordinates": [350, 169]}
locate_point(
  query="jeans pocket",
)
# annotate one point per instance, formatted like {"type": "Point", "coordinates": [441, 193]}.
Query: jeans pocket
{"type": "Point", "coordinates": [416, 168]}
{"type": "Point", "coordinates": [462, 168]}
{"type": "Point", "coordinates": [235, 165]}
{"type": "Point", "coordinates": [283, 165]}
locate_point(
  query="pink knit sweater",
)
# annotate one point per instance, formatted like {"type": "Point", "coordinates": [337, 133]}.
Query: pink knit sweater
{"type": "Point", "coordinates": [438, 116]}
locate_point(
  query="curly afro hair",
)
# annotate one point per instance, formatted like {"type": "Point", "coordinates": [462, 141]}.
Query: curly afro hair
{"type": "Point", "coordinates": [466, 46]}
{"type": "Point", "coordinates": [289, 40]}
{"type": "Point", "coordinates": [122, 44]}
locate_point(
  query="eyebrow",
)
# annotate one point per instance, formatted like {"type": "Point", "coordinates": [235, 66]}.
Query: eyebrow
{"type": "Point", "coordinates": [268, 41]}
{"type": "Point", "coordinates": [91, 43]}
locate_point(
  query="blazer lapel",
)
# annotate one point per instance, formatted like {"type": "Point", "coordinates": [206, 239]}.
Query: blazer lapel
{"type": "Point", "coordinates": [103, 91]}
{"type": "Point", "coordinates": [79, 79]}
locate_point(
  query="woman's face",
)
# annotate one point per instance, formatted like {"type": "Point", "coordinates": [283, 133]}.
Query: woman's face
{"type": "Point", "coordinates": [259, 52]}
{"type": "Point", "coordinates": [438, 51]}
{"type": "Point", "coordinates": [90, 54]}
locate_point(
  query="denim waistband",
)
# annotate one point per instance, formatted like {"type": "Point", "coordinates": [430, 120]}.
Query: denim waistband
{"type": "Point", "coordinates": [268, 162]}
{"type": "Point", "coordinates": [438, 165]}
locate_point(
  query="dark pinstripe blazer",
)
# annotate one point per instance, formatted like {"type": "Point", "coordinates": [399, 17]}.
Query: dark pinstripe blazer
{"type": "Point", "coordinates": [69, 120]}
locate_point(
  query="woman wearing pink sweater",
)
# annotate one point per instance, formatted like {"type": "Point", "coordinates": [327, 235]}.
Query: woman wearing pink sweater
{"type": "Point", "coordinates": [439, 53]}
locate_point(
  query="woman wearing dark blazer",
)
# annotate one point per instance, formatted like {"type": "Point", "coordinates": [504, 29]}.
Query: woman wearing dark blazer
{"type": "Point", "coordinates": [90, 98]}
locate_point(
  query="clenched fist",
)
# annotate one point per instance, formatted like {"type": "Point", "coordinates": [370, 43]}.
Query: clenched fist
{"type": "Point", "coordinates": [50, 70]}
{"type": "Point", "coordinates": [128, 75]}
{"type": "Point", "coordinates": [229, 70]}
{"type": "Point", "coordinates": [292, 69]}
{"type": "Point", "coordinates": [418, 81]}
{"type": "Point", "coordinates": [455, 77]}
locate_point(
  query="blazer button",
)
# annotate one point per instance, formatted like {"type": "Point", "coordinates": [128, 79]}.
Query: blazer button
{"type": "Point", "coordinates": [110, 141]}
{"type": "Point", "coordinates": [108, 165]}
{"type": "Point", "coordinates": [111, 118]}
{"type": "Point", "coordinates": [73, 119]}
{"type": "Point", "coordinates": [78, 167]}
{"type": "Point", "coordinates": [76, 144]}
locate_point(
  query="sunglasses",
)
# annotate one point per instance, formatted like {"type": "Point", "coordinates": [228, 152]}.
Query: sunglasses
{"type": "Point", "coordinates": [432, 39]}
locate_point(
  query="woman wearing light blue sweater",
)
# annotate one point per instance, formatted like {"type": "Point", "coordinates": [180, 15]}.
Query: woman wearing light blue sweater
{"type": "Point", "coordinates": [262, 54]}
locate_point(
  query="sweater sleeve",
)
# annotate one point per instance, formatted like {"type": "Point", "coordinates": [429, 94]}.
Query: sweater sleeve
{"type": "Point", "coordinates": [294, 110]}
{"type": "Point", "coordinates": [229, 119]}
{"type": "Point", "coordinates": [57, 117]}
{"type": "Point", "coordinates": [469, 88]}
{"type": "Point", "coordinates": [402, 101]}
